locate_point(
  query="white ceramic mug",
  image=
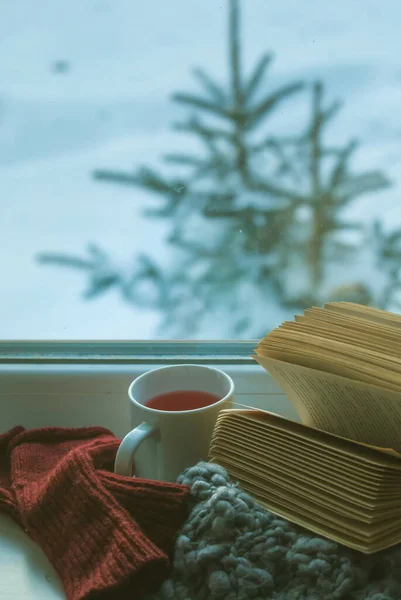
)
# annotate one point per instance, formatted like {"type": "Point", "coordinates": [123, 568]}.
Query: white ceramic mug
{"type": "Point", "coordinates": [163, 443]}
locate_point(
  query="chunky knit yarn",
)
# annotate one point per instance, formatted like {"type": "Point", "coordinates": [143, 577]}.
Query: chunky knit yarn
{"type": "Point", "coordinates": [232, 548]}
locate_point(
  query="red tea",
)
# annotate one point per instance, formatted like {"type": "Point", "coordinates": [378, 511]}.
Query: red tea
{"type": "Point", "coordinates": [182, 400]}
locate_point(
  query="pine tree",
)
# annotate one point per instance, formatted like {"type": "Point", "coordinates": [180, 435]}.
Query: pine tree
{"type": "Point", "coordinates": [255, 218]}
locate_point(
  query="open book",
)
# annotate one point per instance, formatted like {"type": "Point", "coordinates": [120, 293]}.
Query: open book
{"type": "Point", "coordinates": [339, 472]}
{"type": "Point", "coordinates": [338, 488]}
{"type": "Point", "coordinates": [340, 366]}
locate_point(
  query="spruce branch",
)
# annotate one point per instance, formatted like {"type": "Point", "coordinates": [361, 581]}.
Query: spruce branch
{"type": "Point", "coordinates": [215, 91]}
{"type": "Point", "coordinates": [270, 102]}
{"type": "Point", "coordinates": [197, 102]}
{"type": "Point", "coordinates": [256, 78]}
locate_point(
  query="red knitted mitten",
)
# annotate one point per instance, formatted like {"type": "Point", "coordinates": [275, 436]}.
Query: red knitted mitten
{"type": "Point", "coordinates": [160, 508]}
{"type": "Point", "coordinates": [95, 545]}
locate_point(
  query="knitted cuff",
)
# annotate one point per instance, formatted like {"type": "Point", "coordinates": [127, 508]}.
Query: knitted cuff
{"type": "Point", "coordinates": [93, 542]}
{"type": "Point", "coordinates": [159, 508]}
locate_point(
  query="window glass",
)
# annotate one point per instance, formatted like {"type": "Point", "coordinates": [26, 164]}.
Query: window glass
{"type": "Point", "coordinates": [195, 170]}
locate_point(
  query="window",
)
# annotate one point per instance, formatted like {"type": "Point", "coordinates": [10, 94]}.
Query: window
{"type": "Point", "coordinates": [195, 170]}
{"type": "Point", "coordinates": [77, 385]}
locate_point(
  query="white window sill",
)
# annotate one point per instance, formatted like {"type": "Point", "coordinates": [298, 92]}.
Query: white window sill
{"type": "Point", "coordinates": [72, 395]}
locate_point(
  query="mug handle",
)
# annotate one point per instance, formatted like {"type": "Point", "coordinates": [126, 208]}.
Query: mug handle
{"type": "Point", "coordinates": [129, 445]}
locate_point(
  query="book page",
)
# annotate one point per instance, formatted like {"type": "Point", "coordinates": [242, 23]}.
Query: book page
{"type": "Point", "coordinates": [356, 454]}
{"type": "Point", "coordinates": [340, 365]}
{"type": "Point", "coordinates": [351, 409]}
{"type": "Point", "coordinates": [324, 496]}
{"type": "Point", "coordinates": [313, 509]}
{"type": "Point", "coordinates": [325, 327]}
{"type": "Point", "coordinates": [305, 481]}
{"type": "Point", "coordinates": [356, 320]}
{"type": "Point", "coordinates": [310, 518]}
{"type": "Point", "coordinates": [300, 453]}
{"type": "Point", "coordinates": [333, 351]}
{"type": "Point", "coordinates": [368, 313]}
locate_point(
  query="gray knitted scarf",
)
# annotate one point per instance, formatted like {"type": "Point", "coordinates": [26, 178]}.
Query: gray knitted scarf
{"type": "Point", "coordinates": [232, 548]}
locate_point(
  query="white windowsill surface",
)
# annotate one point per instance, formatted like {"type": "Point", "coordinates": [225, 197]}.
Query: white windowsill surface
{"type": "Point", "coordinates": [76, 395]}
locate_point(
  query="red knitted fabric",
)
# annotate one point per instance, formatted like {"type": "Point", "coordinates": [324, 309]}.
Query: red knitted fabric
{"type": "Point", "coordinates": [159, 508]}
{"type": "Point", "coordinates": [107, 536]}
{"type": "Point", "coordinates": [7, 500]}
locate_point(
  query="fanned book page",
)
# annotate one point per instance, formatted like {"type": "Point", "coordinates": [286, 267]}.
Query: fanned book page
{"type": "Point", "coordinates": [340, 366]}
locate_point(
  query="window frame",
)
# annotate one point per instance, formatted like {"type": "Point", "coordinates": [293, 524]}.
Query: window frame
{"type": "Point", "coordinates": [76, 384]}
{"type": "Point", "coordinates": [121, 351]}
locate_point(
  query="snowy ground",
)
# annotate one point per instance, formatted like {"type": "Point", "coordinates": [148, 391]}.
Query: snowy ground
{"type": "Point", "coordinates": [110, 107]}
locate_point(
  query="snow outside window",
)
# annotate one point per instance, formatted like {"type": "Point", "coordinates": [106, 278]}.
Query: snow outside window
{"type": "Point", "coordinates": [195, 170]}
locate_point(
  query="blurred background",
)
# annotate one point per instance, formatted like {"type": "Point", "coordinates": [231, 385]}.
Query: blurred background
{"type": "Point", "coordinates": [196, 170]}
